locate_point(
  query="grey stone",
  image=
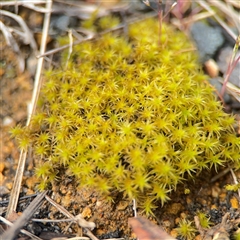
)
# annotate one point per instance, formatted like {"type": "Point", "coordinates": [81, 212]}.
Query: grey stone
{"type": "Point", "coordinates": [208, 39]}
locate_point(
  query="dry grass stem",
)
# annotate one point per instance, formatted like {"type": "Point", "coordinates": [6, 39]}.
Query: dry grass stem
{"type": "Point", "coordinates": [17, 3]}
{"type": "Point", "coordinates": [90, 35]}
{"type": "Point", "coordinates": [37, 85]}
{"type": "Point", "coordinates": [12, 206]}
{"type": "Point", "coordinates": [51, 220]}
{"type": "Point", "coordinates": [9, 37]}
{"type": "Point", "coordinates": [78, 238]}
{"type": "Point", "coordinates": [13, 231]}
{"type": "Point", "coordinates": [59, 49]}
{"type": "Point", "coordinates": [26, 34]}
{"type": "Point", "coordinates": [13, 44]}
{"type": "Point", "coordinates": [29, 4]}
{"type": "Point", "coordinates": [79, 219]}
{"type": "Point", "coordinates": [232, 89]}
{"type": "Point", "coordinates": [70, 35]}
{"type": "Point", "coordinates": [134, 207]}
{"type": "Point", "coordinates": [198, 226]}
{"type": "Point", "coordinates": [221, 174]}
{"type": "Point", "coordinates": [38, 80]}
{"type": "Point", "coordinates": [206, 6]}
{"type": "Point", "coordinates": [235, 180]}
{"type": "Point", "coordinates": [189, 20]}
{"type": "Point", "coordinates": [231, 65]}
{"type": "Point", "coordinates": [228, 10]}
{"type": "Point", "coordinates": [79, 9]}
{"type": "Point", "coordinates": [22, 230]}
{"type": "Point", "coordinates": [234, 3]}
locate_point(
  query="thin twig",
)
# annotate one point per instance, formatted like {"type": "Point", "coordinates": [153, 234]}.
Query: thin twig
{"type": "Point", "coordinates": [26, 4]}
{"type": "Point", "coordinates": [59, 49]}
{"type": "Point", "coordinates": [52, 220]}
{"type": "Point", "coordinates": [27, 35]}
{"type": "Point", "coordinates": [231, 65]}
{"type": "Point", "coordinates": [193, 18]}
{"type": "Point", "coordinates": [70, 46]}
{"type": "Point", "coordinates": [79, 219]}
{"type": "Point", "coordinates": [37, 85]}
{"type": "Point", "coordinates": [60, 208]}
{"type": "Point", "coordinates": [223, 24]}
{"type": "Point", "coordinates": [22, 230]}
{"type": "Point", "coordinates": [221, 174]}
{"type": "Point", "coordinates": [21, 198]}
{"type": "Point", "coordinates": [13, 44]}
{"type": "Point", "coordinates": [134, 207]}
{"type": "Point", "coordinates": [199, 227]}
{"type": "Point", "coordinates": [38, 79]}
{"type": "Point", "coordinates": [225, 8]}
{"type": "Point", "coordinates": [232, 89]}
{"type": "Point", "coordinates": [235, 180]}
{"type": "Point", "coordinates": [9, 37]}
{"type": "Point", "coordinates": [92, 36]}
{"type": "Point", "coordinates": [12, 206]}
{"type": "Point", "coordinates": [11, 3]}
{"type": "Point", "coordinates": [12, 232]}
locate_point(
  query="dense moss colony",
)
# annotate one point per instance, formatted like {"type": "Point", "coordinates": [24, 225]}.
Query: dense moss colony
{"type": "Point", "coordinates": [132, 116]}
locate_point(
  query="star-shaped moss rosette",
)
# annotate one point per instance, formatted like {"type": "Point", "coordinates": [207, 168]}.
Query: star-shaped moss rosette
{"type": "Point", "coordinates": [130, 115]}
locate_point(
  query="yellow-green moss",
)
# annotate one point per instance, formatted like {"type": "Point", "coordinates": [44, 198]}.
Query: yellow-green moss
{"type": "Point", "coordinates": [132, 116]}
{"type": "Point", "coordinates": [204, 220]}
{"type": "Point", "coordinates": [186, 229]}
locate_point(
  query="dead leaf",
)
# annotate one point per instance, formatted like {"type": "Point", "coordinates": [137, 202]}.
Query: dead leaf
{"type": "Point", "coordinates": [146, 230]}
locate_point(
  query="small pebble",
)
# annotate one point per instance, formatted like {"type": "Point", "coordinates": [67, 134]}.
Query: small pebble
{"type": "Point", "coordinates": [2, 71]}
{"type": "Point", "coordinates": [174, 233]}
{"type": "Point", "coordinates": [3, 190]}
{"type": "Point", "coordinates": [215, 191]}
{"type": "Point", "coordinates": [177, 220]}
{"type": "Point", "coordinates": [7, 121]}
{"type": "Point", "coordinates": [183, 215]}
{"type": "Point", "coordinates": [211, 68]}
{"type": "Point", "coordinates": [9, 185]}
{"type": "Point", "coordinates": [58, 200]}
{"type": "Point", "coordinates": [2, 178]}
{"type": "Point", "coordinates": [214, 207]}
{"type": "Point", "coordinates": [189, 200]}
{"type": "Point", "coordinates": [223, 197]}
{"type": "Point", "coordinates": [98, 203]}
{"type": "Point", "coordinates": [234, 203]}
{"type": "Point", "coordinates": [167, 224]}
{"type": "Point", "coordinates": [198, 237]}
{"type": "Point", "coordinates": [2, 166]}
{"type": "Point", "coordinates": [63, 190]}
{"type": "Point", "coordinates": [34, 228]}
{"type": "Point", "coordinates": [66, 200]}
{"type": "Point", "coordinates": [87, 212]}
{"type": "Point", "coordinates": [122, 205]}
{"type": "Point", "coordinates": [175, 208]}
{"type": "Point", "coordinates": [31, 182]}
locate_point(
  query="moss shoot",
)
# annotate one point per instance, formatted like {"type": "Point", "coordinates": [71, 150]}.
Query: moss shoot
{"type": "Point", "coordinates": [130, 115]}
